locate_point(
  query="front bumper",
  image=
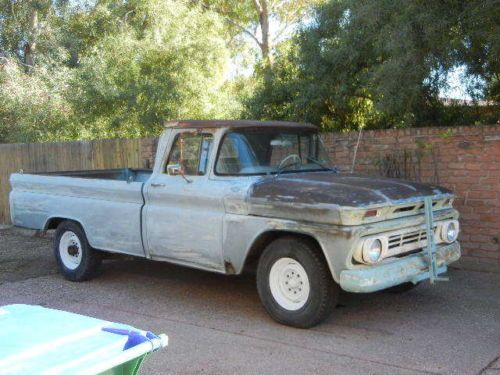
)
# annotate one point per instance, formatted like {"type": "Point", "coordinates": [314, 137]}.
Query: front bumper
{"type": "Point", "coordinates": [412, 268]}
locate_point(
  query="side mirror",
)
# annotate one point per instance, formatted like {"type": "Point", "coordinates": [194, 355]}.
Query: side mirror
{"type": "Point", "coordinates": [174, 169]}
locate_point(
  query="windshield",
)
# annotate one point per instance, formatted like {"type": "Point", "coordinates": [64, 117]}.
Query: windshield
{"type": "Point", "coordinates": [263, 151]}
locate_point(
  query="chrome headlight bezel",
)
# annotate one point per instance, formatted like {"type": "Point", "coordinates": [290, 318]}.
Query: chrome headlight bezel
{"type": "Point", "coordinates": [372, 251]}
{"type": "Point", "coordinates": [363, 253]}
{"type": "Point", "coordinates": [446, 229]}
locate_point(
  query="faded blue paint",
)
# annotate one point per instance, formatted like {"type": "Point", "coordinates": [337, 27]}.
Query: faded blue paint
{"type": "Point", "coordinates": [431, 243]}
{"type": "Point", "coordinates": [412, 268]}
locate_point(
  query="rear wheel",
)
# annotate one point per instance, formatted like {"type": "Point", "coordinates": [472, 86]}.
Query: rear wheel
{"type": "Point", "coordinates": [77, 261]}
{"type": "Point", "coordinates": [295, 284]}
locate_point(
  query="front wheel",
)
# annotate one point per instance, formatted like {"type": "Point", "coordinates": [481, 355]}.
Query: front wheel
{"type": "Point", "coordinates": [77, 261]}
{"type": "Point", "coordinates": [295, 284]}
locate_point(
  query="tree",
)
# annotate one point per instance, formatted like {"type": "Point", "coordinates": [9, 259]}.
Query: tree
{"type": "Point", "coordinates": [32, 73]}
{"type": "Point", "coordinates": [28, 27]}
{"type": "Point", "coordinates": [109, 68]}
{"type": "Point", "coordinates": [33, 107]}
{"type": "Point", "coordinates": [167, 61]}
{"type": "Point", "coordinates": [381, 64]}
{"type": "Point", "coordinates": [254, 17]}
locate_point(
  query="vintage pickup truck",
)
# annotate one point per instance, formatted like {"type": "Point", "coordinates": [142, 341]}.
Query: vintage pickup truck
{"type": "Point", "coordinates": [224, 195]}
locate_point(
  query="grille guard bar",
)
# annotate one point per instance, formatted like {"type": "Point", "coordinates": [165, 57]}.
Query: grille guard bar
{"type": "Point", "coordinates": [431, 243]}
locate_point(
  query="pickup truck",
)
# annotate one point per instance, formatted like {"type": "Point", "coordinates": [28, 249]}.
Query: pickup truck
{"type": "Point", "coordinates": [228, 196]}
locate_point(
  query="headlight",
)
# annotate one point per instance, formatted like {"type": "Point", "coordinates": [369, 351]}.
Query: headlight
{"type": "Point", "coordinates": [372, 250]}
{"type": "Point", "coordinates": [449, 231]}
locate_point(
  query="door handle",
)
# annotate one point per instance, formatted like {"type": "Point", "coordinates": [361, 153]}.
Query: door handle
{"type": "Point", "coordinates": [157, 185]}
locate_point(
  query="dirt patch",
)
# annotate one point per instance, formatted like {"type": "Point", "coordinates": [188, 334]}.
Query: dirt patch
{"type": "Point", "coordinates": [24, 256]}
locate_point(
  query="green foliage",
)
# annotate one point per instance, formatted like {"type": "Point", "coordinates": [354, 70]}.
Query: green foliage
{"type": "Point", "coordinates": [134, 79]}
{"type": "Point", "coordinates": [266, 22]}
{"type": "Point", "coordinates": [446, 134]}
{"type": "Point", "coordinates": [32, 107]}
{"type": "Point", "coordinates": [381, 64]}
{"type": "Point", "coordinates": [110, 70]}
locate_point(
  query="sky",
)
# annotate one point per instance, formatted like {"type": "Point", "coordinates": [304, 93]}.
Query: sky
{"type": "Point", "coordinates": [457, 85]}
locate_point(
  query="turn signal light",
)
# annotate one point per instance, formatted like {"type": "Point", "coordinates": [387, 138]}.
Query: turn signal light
{"type": "Point", "coordinates": [371, 213]}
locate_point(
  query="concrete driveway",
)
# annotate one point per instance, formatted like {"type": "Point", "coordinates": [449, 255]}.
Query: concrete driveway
{"type": "Point", "coordinates": [217, 325]}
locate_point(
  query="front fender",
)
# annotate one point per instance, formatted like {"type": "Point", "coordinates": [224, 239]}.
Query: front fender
{"type": "Point", "coordinates": [240, 233]}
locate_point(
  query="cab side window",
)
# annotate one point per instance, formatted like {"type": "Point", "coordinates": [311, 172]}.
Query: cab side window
{"type": "Point", "coordinates": [190, 152]}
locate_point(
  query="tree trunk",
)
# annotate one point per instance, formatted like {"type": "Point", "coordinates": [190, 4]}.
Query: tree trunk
{"type": "Point", "coordinates": [30, 46]}
{"type": "Point", "coordinates": [265, 45]}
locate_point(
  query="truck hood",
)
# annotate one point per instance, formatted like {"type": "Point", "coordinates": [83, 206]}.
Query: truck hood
{"type": "Point", "coordinates": [316, 194]}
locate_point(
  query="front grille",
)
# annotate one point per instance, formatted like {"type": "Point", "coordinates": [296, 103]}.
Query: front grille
{"type": "Point", "coordinates": [408, 208]}
{"type": "Point", "coordinates": [401, 242]}
{"type": "Point", "coordinates": [398, 240]}
{"type": "Point", "coordinates": [419, 207]}
{"type": "Point", "coordinates": [408, 241]}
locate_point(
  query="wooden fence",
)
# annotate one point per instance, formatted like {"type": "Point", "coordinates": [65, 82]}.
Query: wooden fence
{"type": "Point", "coordinates": [64, 156]}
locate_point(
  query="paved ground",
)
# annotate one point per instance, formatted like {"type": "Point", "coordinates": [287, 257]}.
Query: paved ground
{"type": "Point", "coordinates": [217, 325]}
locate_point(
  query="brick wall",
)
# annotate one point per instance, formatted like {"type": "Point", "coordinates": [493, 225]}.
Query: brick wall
{"type": "Point", "coordinates": [465, 159]}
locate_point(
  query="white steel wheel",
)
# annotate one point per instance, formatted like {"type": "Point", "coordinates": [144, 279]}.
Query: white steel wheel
{"type": "Point", "coordinates": [70, 250]}
{"type": "Point", "coordinates": [294, 282]}
{"type": "Point", "coordinates": [289, 284]}
{"type": "Point", "coordinates": [77, 261]}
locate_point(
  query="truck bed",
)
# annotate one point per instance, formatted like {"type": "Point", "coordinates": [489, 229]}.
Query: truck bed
{"type": "Point", "coordinates": [107, 203]}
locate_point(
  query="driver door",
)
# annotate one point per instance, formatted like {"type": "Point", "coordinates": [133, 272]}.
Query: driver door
{"type": "Point", "coordinates": [184, 214]}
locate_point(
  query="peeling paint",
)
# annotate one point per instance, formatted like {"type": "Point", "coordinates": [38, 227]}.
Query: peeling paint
{"type": "Point", "coordinates": [335, 198]}
{"type": "Point", "coordinates": [413, 269]}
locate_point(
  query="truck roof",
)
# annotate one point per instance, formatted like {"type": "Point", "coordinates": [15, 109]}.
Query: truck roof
{"type": "Point", "coordinates": [235, 124]}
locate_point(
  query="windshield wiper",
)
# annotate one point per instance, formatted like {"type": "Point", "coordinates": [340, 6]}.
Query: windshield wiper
{"type": "Point", "coordinates": [322, 165]}
{"type": "Point", "coordinates": [283, 163]}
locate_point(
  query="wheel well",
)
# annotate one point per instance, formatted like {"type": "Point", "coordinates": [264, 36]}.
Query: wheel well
{"type": "Point", "coordinates": [264, 239]}
{"type": "Point", "coordinates": [54, 222]}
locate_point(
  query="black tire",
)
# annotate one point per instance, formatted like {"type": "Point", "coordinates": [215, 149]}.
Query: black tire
{"type": "Point", "coordinates": [323, 291]}
{"type": "Point", "coordinates": [401, 288]}
{"type": "Point", "coordinates": [90, 259]}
